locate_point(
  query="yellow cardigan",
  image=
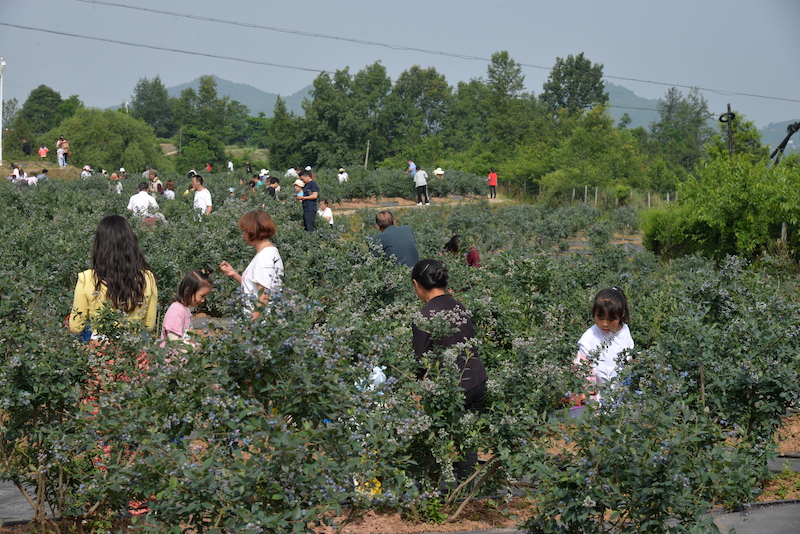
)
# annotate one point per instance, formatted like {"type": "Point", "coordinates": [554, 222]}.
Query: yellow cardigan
{"type": "Point", "coordinates": [88, 302]}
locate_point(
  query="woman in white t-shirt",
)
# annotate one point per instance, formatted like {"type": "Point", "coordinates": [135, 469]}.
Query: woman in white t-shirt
{"type": "Point", "coordinates": [262, 277]}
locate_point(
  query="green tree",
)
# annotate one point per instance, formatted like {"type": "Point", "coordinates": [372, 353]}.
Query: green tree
{"type": "Point", "coordinates": [151, 103]}
{"type": "Point", "coordinates": [746, 140]}
{"type": "Point", "coordinates": [467, 115]}
{"type": "Point", "coordinates": [416, 108]}
{"type": "Point", "coordinates": [199, 148]}
{"type": "Point", "coordinates": [504, 76]}
{"type": "Point", "coordinates": [40, 110]}
{"type": "Point", "coordinates": [282, 137]}
{"type": "Point", "coordinates": [110, 139]}
{"type": "Point", "coordinates": [343, 113]}
{"type": "Point", "coordinates": [575, 85]}
{"type": "Point", "coordinates": [327, 126]}
{"type": "Point", "coordinates": [67, 108]}
{"type": "Point", "coordinates": [183, 108]}
{"type": "Point", "coordinates": [10, 112]}
{"type": "Point", "coordinates": [510, 110]}
{"type": "Point", "coordinates": [682, 129]}
{"type": "Point", "coordinates": [256, 131]}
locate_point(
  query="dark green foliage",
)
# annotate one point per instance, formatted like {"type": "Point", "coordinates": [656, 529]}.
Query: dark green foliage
{"type": "Point", "coordinates": [574, 85]}
{"type": "Point", "coordinates": [151, 104]}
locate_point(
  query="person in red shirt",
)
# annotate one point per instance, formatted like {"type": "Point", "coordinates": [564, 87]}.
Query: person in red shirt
{"type": "Point", "coordinates": [492, 181]}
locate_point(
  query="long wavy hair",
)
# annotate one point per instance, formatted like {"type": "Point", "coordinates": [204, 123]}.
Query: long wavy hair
{"type": "Point", "coordinates": [119, 263]}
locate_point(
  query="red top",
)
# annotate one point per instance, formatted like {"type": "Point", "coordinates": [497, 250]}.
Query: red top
{"type": "Point", "coordinates": [493, 178]}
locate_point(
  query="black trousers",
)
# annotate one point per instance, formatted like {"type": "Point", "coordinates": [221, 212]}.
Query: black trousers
{"type": "Point", "coordinates": [473, 402]}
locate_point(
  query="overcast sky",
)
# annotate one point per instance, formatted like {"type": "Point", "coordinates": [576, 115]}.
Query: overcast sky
{"type": "Point", "coordinates": [733, 47]}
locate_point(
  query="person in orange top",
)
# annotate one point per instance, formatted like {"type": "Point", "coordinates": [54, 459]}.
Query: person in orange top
{"type": "Point", "coordinates": [492, 181]}
{"type": "Point", "coordinates": [43, 150]}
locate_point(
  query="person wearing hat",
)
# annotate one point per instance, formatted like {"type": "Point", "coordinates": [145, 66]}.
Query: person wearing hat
{"type": "Point", "coordinates": [263, 173]}
{"type": "Point", "coordinates": [343, 177]}
{"type": "Point", "coordinates": [438, 172]}
{"type": "Point", "coordinates": [298, 187]}
{"type": "Point", "coordinates": [122, 174]}
{"type": "Point", "coordinates": [87, 172]}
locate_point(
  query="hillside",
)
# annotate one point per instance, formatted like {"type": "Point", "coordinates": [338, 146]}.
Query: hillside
{"type": "Point", "coordinates": [642, 111]}
{"type": "Point", "coordinates": [255, 99]}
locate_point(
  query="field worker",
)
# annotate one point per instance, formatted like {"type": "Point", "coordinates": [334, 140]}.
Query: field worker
{"type": "Point", "coordinates": [202, 196]}
{"type": "Point", "coordinates": [396, 242]}
{"type": "Point", "coordinates": [438, 172]}
{"type": "Point", "coordinates": [343, 177]}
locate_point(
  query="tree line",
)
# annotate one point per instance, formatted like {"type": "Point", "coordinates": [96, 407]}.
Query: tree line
{"type": "Point", "coordinates": [554, 141]}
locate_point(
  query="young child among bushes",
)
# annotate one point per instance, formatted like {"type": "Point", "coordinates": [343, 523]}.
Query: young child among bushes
{"type": "Point", "coordinates": [607, 338]}
{"type": "Point", "coordinates": [192, 292]}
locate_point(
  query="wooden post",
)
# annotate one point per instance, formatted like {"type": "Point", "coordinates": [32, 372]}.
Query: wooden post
{"type": "Point", "coordinates": [366, 157]}
{"type": "Point", "coordinates": [586, 193]}
{"type": "Point", "coordinates": [648, 199]}
{"type": "Point", "coordinates": [784, 232]}
{"type": "Point", "coordinates": [573, 194]}
{"type": "Point", "coordinates": [668, 197]}
{"type": "Point", "coordinates": [595, 195]}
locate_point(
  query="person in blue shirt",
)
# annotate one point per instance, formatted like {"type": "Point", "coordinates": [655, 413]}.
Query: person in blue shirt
{"type": "Point", "coordinates": [309, 199]}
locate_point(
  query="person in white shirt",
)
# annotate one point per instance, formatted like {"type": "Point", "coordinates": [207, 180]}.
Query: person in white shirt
{"type": "Point", "coordinates": [142, 204]}
{"type": "Point", "coordinates": [202, 196]}
{"type": "Point", "coordinates": [343, 177]}
{"type": "Point", "coordinates": [421, 181]}
{"type": "Point", "coordinates": [325, 212]}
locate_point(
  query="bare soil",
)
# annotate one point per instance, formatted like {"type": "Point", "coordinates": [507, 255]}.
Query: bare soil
{"type": "Point", "coordinates": [478, 515]}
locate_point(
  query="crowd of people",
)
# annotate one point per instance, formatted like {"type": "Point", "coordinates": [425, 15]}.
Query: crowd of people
{"type": "Point", "coordinates": [121, 279]}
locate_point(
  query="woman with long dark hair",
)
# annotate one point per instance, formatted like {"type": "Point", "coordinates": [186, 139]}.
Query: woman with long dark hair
{"type": "Point", "coordinates": [120, 277]}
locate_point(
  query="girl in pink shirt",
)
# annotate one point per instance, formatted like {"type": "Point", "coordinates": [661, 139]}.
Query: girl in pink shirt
{"type": "Point", "coordinates": [192, 292]}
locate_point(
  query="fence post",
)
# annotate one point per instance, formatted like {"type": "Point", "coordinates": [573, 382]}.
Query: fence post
{"type": "Point", "coordinates": [667, 197]}
{"type": "Point", "coordinates": [648, 199]}
{"type": "Point", "coordinates": [573, 194]}
{"type": "Point", "coordinates": [595, 195]}
{"type": "Point", "coordinates": [586, 193]}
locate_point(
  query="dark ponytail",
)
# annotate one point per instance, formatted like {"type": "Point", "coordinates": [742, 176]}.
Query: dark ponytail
{"type": "Point", "coordinates": [430, 274]}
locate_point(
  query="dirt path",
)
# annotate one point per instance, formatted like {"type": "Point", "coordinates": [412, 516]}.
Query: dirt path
{"type": "Point", "coordinates": [349, 207]}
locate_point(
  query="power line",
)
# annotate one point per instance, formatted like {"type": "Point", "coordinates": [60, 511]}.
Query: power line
{"type": "Point", "coordinates": [163, 48]}
{"type": "Point", "coordinates": [401, 48]}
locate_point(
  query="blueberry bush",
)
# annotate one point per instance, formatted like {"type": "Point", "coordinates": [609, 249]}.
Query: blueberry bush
{"type": "Point", "coordinates": [269, 425]}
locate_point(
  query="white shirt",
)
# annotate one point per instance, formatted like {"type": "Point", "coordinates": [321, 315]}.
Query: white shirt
{"type": "Point", "coordinates": [169, 194]}
{"type": "Point", "coordinates": [202, 200]}
{"type": "Point", "coordinates": [610, 346]}
{"type": "Point", "coordinates": [343, 177]}
{"type": "Point", "coordinates": [421, 178]}
{"type": "Point", "coordinates": [265, 270]}
{"type": "Point", "coordinates": [326, 214]}
{"type": "Point", "coordinates": [141, 203]}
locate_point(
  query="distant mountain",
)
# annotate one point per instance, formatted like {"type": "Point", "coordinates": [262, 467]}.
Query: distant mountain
{"type": "Point", "coordinates": [256, 100]}
{"type": "Point", "coordinates": [642, 111]}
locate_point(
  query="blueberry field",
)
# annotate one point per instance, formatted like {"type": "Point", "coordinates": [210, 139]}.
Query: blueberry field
{"type": "Point", "coordinates": [267, 425]}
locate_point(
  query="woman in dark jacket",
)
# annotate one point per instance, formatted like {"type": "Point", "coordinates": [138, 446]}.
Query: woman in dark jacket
{"type": "Point", "coordinates": [429, 278]}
